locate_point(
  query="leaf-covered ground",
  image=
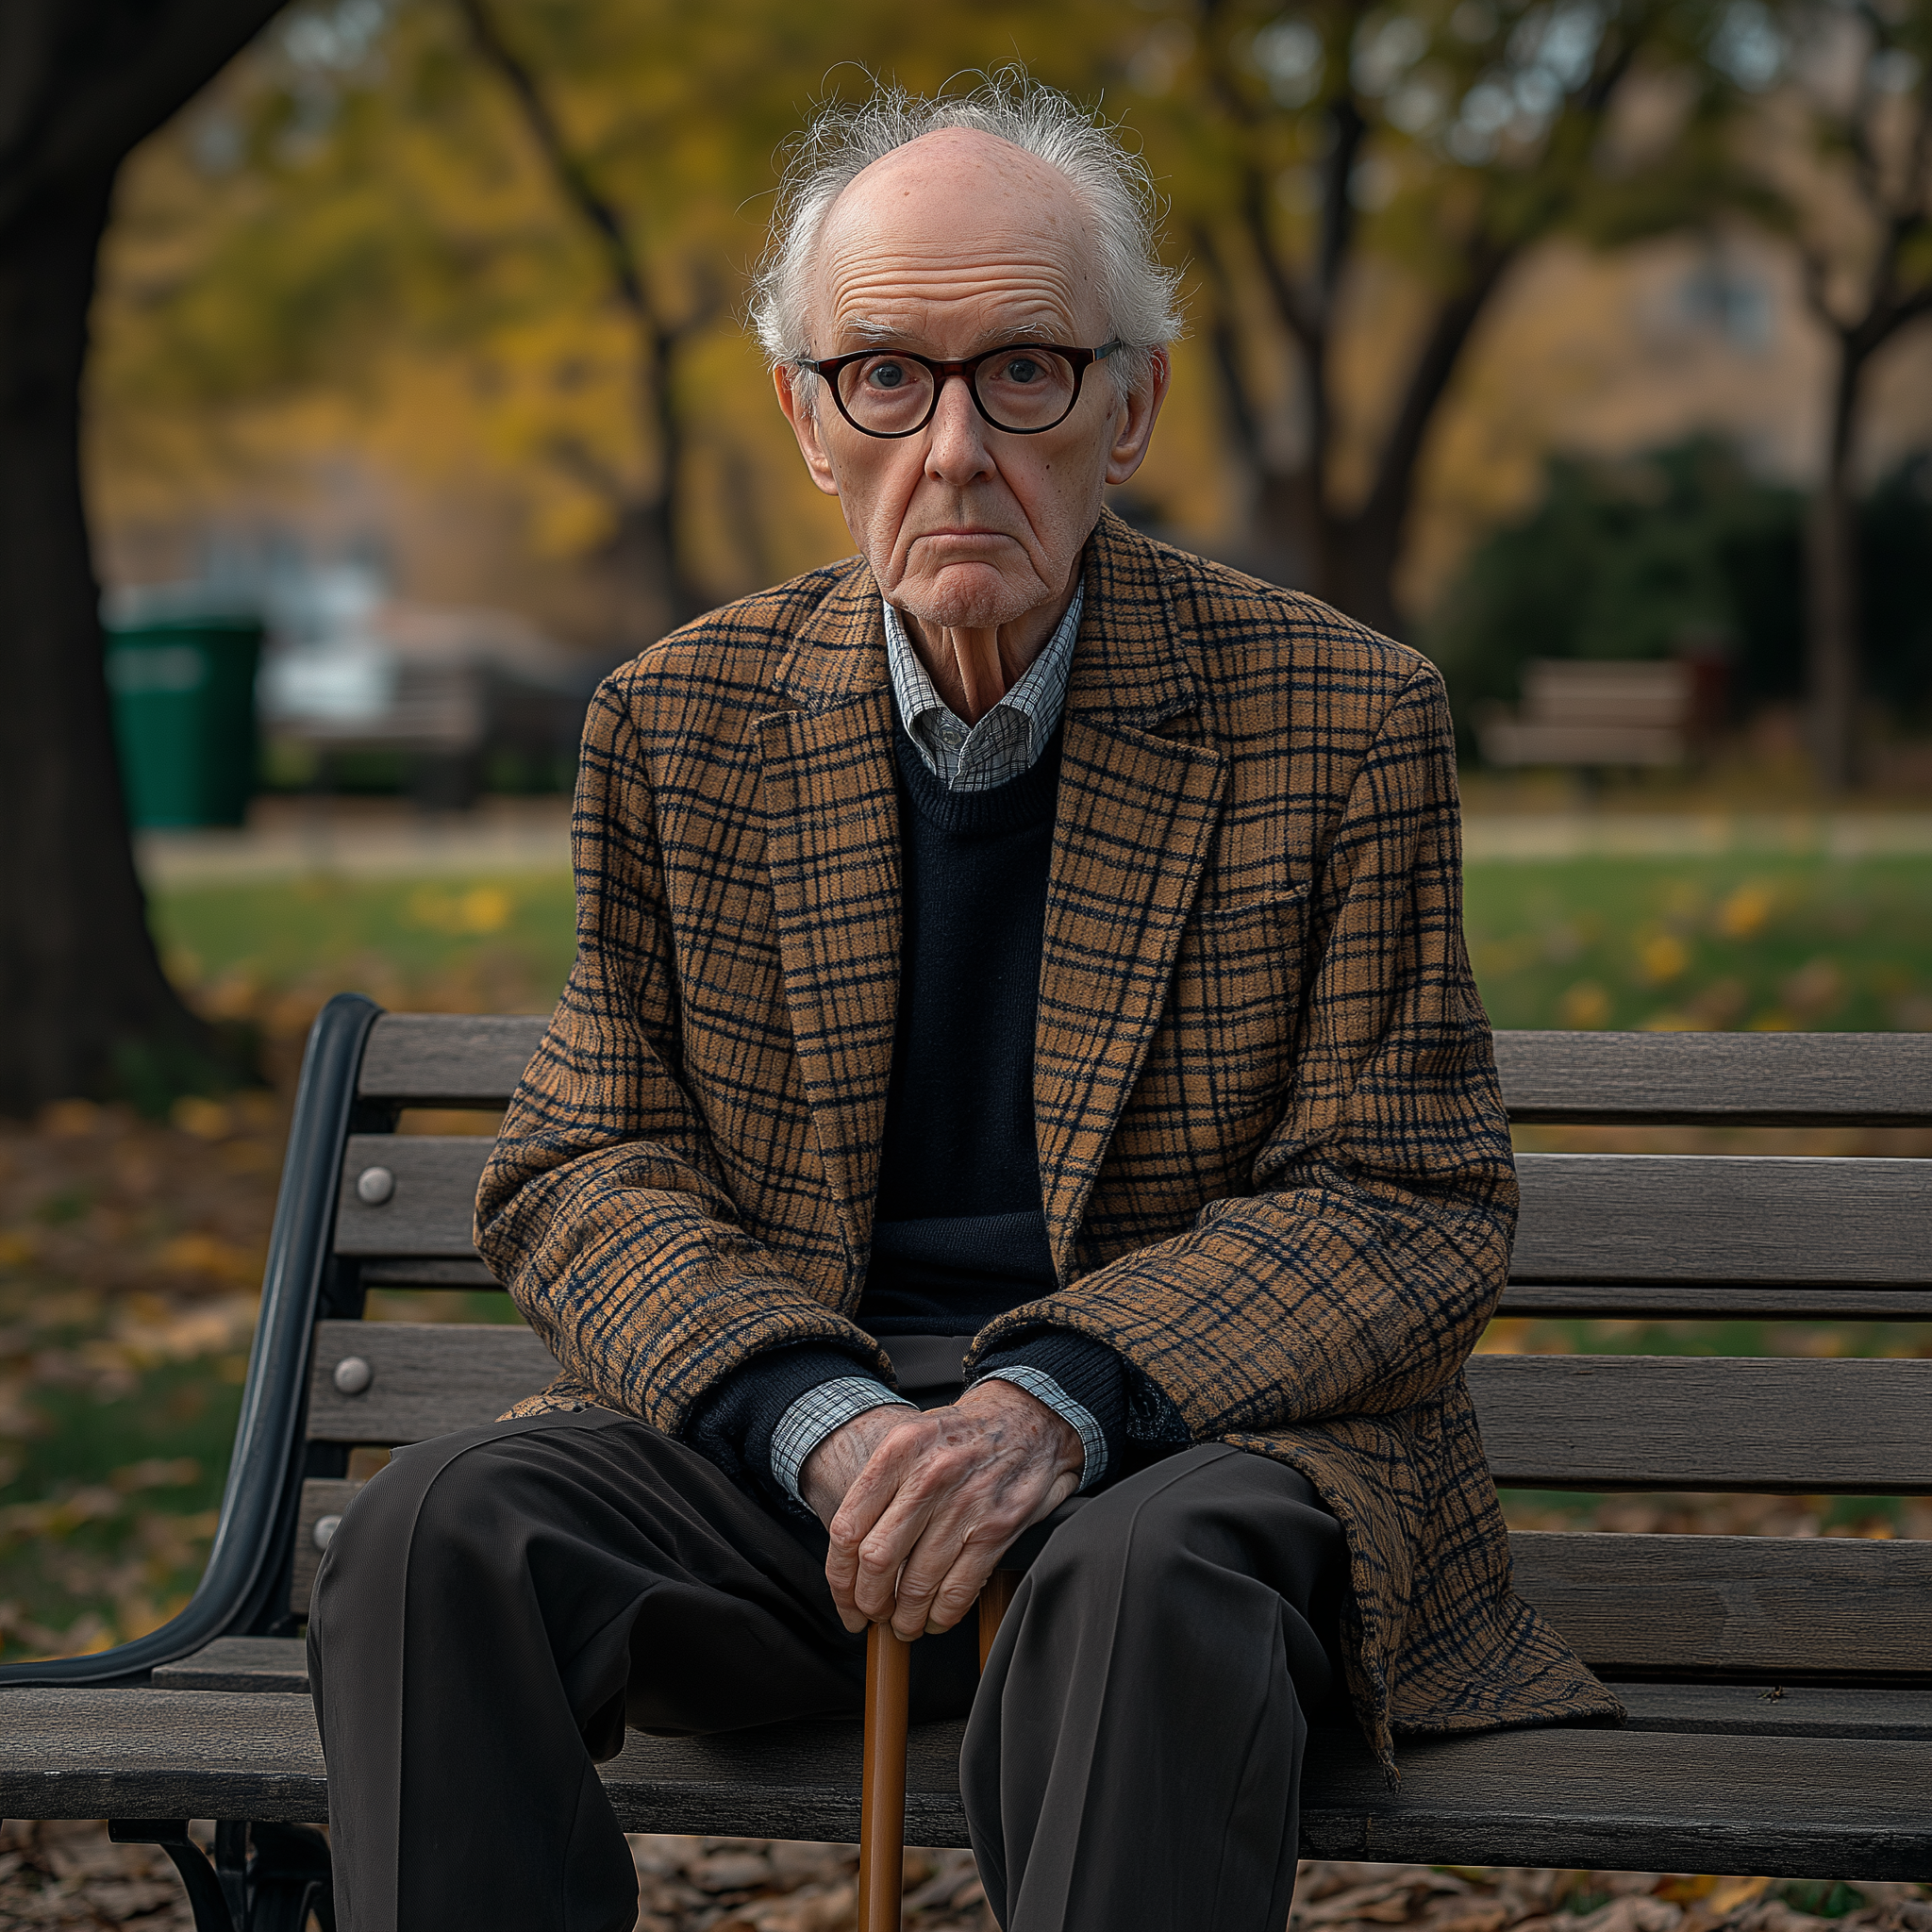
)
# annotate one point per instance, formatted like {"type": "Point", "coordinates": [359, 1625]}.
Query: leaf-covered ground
{"type": "Point", "coordinates": [70, 1875]}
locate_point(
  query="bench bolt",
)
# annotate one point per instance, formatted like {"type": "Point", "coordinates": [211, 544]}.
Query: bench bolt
{"type": "Point", "coordinates": [374, 1186]}
{"type": "Point", "coordinates": [353, 1374]}
{"type": "Point", "coordinates": [323, 1532]}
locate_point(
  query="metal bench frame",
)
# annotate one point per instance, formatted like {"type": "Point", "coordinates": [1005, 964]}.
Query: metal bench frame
{"type": "Point", "coordinates": [1789, 1731]}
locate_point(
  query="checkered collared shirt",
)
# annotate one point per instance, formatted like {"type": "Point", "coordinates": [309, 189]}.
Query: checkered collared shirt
{"type": "Point", "coordinates": [1010, 737]}
{"type": "Point", "coordinates": [1002, 746]}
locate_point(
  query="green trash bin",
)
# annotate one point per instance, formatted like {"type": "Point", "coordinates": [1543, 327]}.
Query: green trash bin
{"type": "Point", "coordinates": [183, 691]}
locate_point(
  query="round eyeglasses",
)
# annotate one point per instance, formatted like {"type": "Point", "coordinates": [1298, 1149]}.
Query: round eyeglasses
{"type": "Point", "coordinates": [1023, 389]}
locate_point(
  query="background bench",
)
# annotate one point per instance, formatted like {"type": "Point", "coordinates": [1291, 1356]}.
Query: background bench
{"type": "Point", "coordinates": [1780, 1689]}
{"type": "Point", "coordinates": [1577, 712]}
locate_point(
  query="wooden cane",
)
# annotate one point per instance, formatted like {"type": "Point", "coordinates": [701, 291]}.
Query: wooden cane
{"type": "Point", "coordinates": [882, 1785]}
{"type": "Point", "coordinates": [882, 1772]}
{"type": "Point", "coordinates": [994, 1601]}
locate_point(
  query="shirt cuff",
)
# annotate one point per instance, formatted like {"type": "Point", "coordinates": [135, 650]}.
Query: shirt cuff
{"type": "Point", "coordinates": [1042, 1388]}
{"type": "Point", "coordinates": [813, 1417]}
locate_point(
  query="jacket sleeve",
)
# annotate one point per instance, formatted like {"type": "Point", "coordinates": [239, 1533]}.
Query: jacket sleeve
{"type": "Point", "coordinates": [603, 1210]}
{"type": "Point", "coordinates": [1359, 1272]}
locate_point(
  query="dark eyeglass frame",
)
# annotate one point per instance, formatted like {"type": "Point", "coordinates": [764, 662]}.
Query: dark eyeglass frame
{"type": "Point", "coordinates": [942, 372]}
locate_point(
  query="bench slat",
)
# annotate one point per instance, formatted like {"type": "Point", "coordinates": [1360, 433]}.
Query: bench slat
{"type": "Point", "coordinates": [1671, 1217]}
{"type": "Point", "coordinates": [1663, 1301]}
{"type": "Point", "coordinates": [426, 1378]}
{"type": "Point", "coordinates": [1795, 1806]}
{"type": "Point", "coordinates": [448, 1059]}
{"type": "Point", "coordinates": [1713, 1079]}
{"type": "Point", "coordinates": [1718, 1079]}
{"type": "Point", "coordinates": [322, 1496]}
{"type": "Point", "coordinates": [430, 1272]}
{"type": "Point", "coordinates": [1695, 1423]}
{"type": "Point", "coordinates": [240, 1663]}
{"type": "Point", "coordinates": [1733, 1606]}
{"type": "Point", "coordinates": [1549, 1421]}
{"type": "Point", "coordinates": [1787, 1607]}
{"type": "Point", "coordinates": [1799, 1710]}
{"type": "Point", "coordinates": [281, 1663]}
{"type": "Point", "coordinates": [433, 1203]}
{"type": "Point", "coordinates": [1610, 1218]}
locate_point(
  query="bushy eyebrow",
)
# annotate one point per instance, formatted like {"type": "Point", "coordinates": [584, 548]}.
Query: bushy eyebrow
{"type": "Point", "coordinates": [869, 332]}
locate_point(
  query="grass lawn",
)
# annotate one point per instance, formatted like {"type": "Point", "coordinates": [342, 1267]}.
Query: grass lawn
{"type": "Point", "coordinates": [1748, 942]}
{"type": "Point", "coordinates": [130, 1250]}
{"type": "Point", "coordinates": [1704, 944]}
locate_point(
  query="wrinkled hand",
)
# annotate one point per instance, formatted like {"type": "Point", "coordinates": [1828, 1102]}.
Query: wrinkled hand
{"type": "Point", "coordinates": [920, 1507]}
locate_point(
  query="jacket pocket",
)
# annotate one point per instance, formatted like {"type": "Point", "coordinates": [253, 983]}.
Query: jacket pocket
{"type": "Point", "coordinates": [1238, 990]}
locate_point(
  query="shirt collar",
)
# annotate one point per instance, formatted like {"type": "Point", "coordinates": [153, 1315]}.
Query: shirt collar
{"type": "Point", "coordinates": [1039, 696]}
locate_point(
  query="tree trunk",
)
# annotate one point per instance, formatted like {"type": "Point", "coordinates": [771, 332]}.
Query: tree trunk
{"type": "Point", "coordinates": [1832, 595]}
{"type": "Point", "coordinates": [1364, 550]}
{"type": "Point", "coordinates": [87, 1008]}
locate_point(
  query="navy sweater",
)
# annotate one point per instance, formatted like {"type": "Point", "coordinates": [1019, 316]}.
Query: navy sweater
{"type": "Point", "coordinates": [958, 1236]}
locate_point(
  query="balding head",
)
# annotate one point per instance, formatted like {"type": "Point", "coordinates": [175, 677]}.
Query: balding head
{"type": "Point", "coordinates": [1110, 187]}
{"type": "Point", "coordinates": [953, 222]}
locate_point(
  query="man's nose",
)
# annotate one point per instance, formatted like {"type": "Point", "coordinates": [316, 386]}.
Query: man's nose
{"type": "Point", "coordinates": [955, 450]}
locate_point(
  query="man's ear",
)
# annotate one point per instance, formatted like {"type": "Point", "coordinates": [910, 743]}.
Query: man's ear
{"type": "Point", "coordinates": [805, 426]}
{"type": "Point", "coordinates": [1135, 429]}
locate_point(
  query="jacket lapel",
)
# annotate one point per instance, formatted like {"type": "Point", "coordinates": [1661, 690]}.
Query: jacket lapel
{"type": "Point", "coordinates": [1133, 826]}
{"type": "Point", "coordinates": [830, 808]}
{"type": "Point", "coordinates": [1135, 820]}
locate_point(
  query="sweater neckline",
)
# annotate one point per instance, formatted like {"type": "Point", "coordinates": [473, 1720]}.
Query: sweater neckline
{"type": "Point", "coordinates": [1027, 800]}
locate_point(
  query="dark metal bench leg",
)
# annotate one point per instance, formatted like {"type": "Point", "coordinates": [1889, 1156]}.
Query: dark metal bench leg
{"type": "Point", "coordinates": [205, 1892]}
{"type": "Point", "coordinates": [289, 1878]}
{"type": "Point", "coordinates": [264, 1879]}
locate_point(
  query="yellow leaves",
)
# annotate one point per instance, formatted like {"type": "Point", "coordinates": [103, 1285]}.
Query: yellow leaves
{"type": "Point", "coordinates": [60, 1516]}
{"type": "Point", "coordinates": [1729, 1894]}
{"type": "Point", "coordinates": [480, 910]}
{"type": "Point", "coordinates": [211, 1258]}
{"type": "Point", "coordinates": [70, 1119]}
{"type": "Point", "coordinates": [206, 1120]}
{"type": "Point", "coordinates": [1662, 958]}
{"type": "Point", "coordinates": [149, 1330]}
{"type": "Point", "coordinates": [1503, 1336]}
{"type": "Point", "coordinates": [1585, 1006]}
{"type": "Point", "coordinates": [1743, 914]}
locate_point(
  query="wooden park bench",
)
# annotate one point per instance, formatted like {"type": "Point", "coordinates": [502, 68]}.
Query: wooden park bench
{"type": "Point", "coordinates": [1590, 712]}
{"type": "Point", "coordinates": [1779, 1689]}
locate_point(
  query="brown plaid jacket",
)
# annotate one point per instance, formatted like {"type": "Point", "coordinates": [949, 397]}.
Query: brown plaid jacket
{"type": "Point", "coordinates": [1274, 1162]}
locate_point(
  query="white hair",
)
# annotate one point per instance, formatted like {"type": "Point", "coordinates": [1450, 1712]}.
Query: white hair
{"type": "Point", "coordinates": [1112, 185]}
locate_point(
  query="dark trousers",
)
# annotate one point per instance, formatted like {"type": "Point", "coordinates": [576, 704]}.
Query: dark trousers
{"type": "Point", "coordinates": [498, 1603]}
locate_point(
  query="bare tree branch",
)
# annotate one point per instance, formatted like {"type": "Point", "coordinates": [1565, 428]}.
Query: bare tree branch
{"type": "Point", "coordinates": [1224, 341]}
{"type": "Point", "coordinates": [1275, 272]}
{"type": "Point", "coordinates": [626, 267]}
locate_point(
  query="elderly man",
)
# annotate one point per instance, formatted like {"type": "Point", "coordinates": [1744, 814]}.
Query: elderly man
{"type": "Point", "coordinates": [1019, 969]}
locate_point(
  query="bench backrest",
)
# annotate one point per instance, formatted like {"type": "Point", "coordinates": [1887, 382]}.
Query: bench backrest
{"type": "Point", "coordinates": [1629, 1236]}
{"type": "Point", "coordinates": [1562, 690]}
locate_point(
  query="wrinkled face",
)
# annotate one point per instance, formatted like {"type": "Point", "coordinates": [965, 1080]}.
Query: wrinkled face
{"type": "Point", "coordinates": [955, 244]}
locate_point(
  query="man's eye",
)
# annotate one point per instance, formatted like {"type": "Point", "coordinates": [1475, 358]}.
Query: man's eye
{"type": "Point", "coordinates": [887, 375]}
{"type": "Point", "coordinates": [1023, 369]}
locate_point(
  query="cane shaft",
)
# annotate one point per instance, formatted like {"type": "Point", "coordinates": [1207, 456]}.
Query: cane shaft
{"type": "Point", "coordinates": [993, 1599]}
{"type": "Point", "coordinates": [882, 1799]}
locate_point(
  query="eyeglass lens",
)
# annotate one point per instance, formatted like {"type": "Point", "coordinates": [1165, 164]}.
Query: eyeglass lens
{"type": "Point", "coordinates": [1018, 388]}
